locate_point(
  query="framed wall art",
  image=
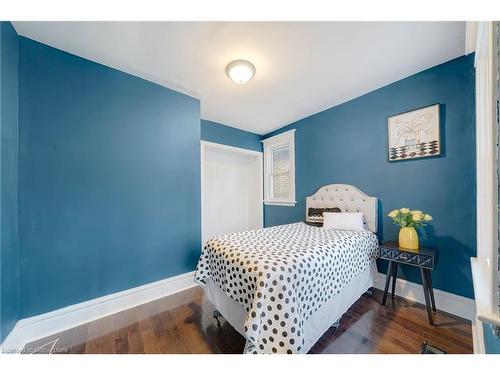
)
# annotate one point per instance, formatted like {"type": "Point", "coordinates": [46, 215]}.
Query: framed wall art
{"type": "Point", "coordinates": [414, 134]}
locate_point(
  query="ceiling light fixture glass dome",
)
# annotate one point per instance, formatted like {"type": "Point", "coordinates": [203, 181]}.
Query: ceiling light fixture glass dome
{"type": "Point", "coordinates": [240, 71]}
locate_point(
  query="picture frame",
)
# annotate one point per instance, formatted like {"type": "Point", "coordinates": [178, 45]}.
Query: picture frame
{"type": "Point", "coordinates": [414, 134]}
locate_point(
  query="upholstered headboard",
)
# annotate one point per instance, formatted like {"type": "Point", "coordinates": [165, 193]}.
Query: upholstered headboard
{"type": "Point", "coordinates": [346, 197]}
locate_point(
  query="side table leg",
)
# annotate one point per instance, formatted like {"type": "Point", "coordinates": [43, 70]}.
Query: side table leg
{"type": "Point", "coordinates": [394, 278]}
{"type": "Point", "coordinates": [387, 280]}
{"type": "Point", "coordinates": [426, 295]}
{"type": "Point", "coordinates": [431, 290]}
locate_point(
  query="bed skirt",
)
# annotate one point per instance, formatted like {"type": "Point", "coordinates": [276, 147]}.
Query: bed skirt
{"type": "Point", "coordinates": [317, 324]}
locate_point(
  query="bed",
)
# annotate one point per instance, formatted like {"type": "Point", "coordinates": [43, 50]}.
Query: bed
{"type": "Point", "coordinates": [283, 287]}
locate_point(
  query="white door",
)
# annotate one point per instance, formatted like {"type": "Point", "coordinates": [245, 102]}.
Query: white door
{"type": "Point", "coordinates": [231, 190]}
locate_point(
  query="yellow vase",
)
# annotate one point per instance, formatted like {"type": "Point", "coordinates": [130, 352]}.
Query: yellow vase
{"type": "Point", "coordinates": [408, 238]}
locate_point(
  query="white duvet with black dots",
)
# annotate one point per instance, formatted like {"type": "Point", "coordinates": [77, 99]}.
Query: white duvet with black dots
{"type": "Point", "coordinates": [282, 275]}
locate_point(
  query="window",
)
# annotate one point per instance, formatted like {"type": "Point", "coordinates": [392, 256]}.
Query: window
{"type": "Point", "coordinates": [279, 169]}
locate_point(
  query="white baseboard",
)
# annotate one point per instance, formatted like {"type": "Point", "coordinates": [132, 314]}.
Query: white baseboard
{"type": "Point", "coordinates": [448, 302]}
{"type": "Point", "coordinates": [37, 327]}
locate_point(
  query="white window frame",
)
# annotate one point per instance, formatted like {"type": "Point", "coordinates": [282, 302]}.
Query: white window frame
{"type": "Point", "coordinates": [284, 139]}
{"type": "Point", "coordinates": [484, 265]}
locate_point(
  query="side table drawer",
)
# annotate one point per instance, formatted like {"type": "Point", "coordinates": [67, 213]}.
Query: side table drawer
{"type": "Point", "coordinates": [403, 257]}
{"type": "Point", "coordinates": [408, 258]}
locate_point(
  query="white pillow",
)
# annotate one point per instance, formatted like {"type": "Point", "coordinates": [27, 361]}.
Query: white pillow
{"type": "Point", "coordinates": [344, 220]}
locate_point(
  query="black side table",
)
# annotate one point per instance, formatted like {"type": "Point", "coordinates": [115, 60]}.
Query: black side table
{"type": "Point", "coordinates": [424, 258]}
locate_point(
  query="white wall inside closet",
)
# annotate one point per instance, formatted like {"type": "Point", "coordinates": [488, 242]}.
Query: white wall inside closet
{"type": "Point", "coordinates": [231, 189]}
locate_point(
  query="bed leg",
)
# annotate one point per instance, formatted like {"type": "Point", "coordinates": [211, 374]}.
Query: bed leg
{"type": "Point", "coordinates": [216, 316]}
{"type": "Point", "coordinates": [336, 324]}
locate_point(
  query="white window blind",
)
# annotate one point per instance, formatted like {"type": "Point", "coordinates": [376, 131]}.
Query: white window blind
{"type": "Point", "coordinates": [281, 172]}
{"type": "Point", "coordinates": [279, 165]}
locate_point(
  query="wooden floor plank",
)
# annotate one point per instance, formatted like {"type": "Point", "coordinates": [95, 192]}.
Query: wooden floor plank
{"type": "Point", "coordinates": [167, 334]}
{"type": "Point", "coordinates": [183, 323]}
{"type": "Point", "coordinates": [147, 333]}
{"type": "Point", "coordinates": [79, 340]}
{"type": "Point", "coordinates": [93, 344]}
{"type": "Point", "coordinates": [106, 338]}
{"type": "Point", "coordinates": [120, 322]}
{"type": "Point", "coordinates": [136, 345]}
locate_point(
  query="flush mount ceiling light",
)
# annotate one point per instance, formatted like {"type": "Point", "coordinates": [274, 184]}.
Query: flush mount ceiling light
{"type": "Point", "coordinates": [240, 71]}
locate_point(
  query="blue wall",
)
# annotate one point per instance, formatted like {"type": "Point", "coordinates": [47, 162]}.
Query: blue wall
{"type": "Point", "coordinates": [109, 180]}
{"type": "Point", "coordinates": [348, 144]}
{"type": "Point", "coordinates": [218, 133]}
{"type": "Point", "coordinates": [9, 127]}
{"type": "Point", "coordinates": [491, 342]}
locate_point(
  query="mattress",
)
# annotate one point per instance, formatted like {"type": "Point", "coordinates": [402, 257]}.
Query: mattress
{"type": "Point", "coordinates": [282, 277]}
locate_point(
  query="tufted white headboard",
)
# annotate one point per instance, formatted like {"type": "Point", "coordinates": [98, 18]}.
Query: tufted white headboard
{"type": "Point", "coordinates": [349, 199]}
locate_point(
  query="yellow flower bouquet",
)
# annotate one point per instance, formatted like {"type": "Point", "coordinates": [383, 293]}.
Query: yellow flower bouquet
{"type": "Point", "coordinates": [404, 217]}
{"type": "Point", "coordinates": [408, 220]}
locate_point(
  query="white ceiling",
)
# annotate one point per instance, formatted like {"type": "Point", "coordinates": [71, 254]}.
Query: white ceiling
{"type": "Point", "coordinates": [302, 67]}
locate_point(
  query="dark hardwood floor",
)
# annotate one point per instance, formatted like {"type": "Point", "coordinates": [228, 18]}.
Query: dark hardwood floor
{"type": "Point", "coordinates": [183, 323]}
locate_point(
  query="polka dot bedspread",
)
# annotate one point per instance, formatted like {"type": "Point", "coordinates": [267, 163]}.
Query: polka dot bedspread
{"type": "Point", "coordinates": [282, 275]}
